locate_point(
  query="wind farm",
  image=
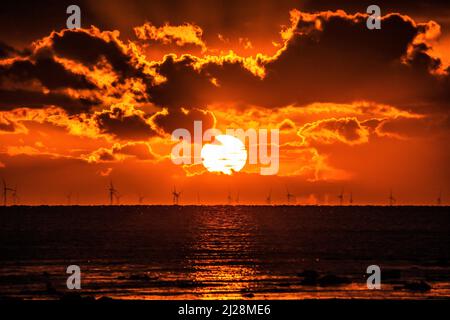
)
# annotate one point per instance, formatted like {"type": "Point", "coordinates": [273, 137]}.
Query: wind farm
{"type": "Point", "coordinates": [281, 196]}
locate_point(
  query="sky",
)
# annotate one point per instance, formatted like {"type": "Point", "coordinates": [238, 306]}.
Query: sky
{"type": "Point", "coordinates": [359, 111]}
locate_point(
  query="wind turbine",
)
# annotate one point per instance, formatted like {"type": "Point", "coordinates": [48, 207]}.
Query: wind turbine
{"type": "Point", "coordinates": [112, 193]}
{"type": "Point", "coordinates": [290, 196]}
{"type": "Point", "coordinates": [229, 198]}
{"type": "Point", "coordinates": [237, 198]}
{"type": "Point", "coordinates": [439, 198]}
{"type": "Point", "coordinates": [351, 198]}
{"type": "Point", "coordinates": [141, 199]}
{"type": "Point", "coordinates": [392, 200]}
{"type": "Point", "coordinates": [14, 195]}
{"type": "Point", "coordinates": [341, 197]}
{"type": "Point", "coordinates": [269, 198]}
{"type": "Point", "coordinates": [176, 196]}
{"type": "Point", "coordinates": [6, 189]}
{"type": "Point", "coordinates": [118, 197]}
{"type": "Point", "coordinates": [69, 198]}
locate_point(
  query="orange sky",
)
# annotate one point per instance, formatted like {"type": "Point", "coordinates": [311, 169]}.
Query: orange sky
{"type": "Point", "coordinates": [363, 111]}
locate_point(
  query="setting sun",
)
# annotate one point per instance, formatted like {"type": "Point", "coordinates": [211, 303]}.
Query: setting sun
{"type": "Point", "coordinates": [226, 154]}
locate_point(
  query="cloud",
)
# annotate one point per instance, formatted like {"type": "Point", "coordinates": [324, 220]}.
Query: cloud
{"type": "Point", "coordinates": [345, 130]}
{"type": "Point", "coordinates": [332, 56]}
{"type": "Point", "coordinates": [9, 126]}
{"type": "Point", "coordinates": [6, 51]}
{"type": "Point", "coordinates": [76, 70]}
{"type": "Point", "coordinates": [180, 35]}
{"type": "Point", "coordinates": [13, 99]}
{"type": "Point", "coordinates": [426, 127]}
{"type": "Point", "coordinates": [51, 74]}
{"type": "Point", "coordinates": [124, 122]}
{"type": "Point", "coordinates": [191, 88]}
{"type": "Point", "coordinates": [326, 57]}
{"type": "Point", "coordinates": [308, 163]}
{"type": "Point", "coordinates": [90, 46]}
{"type": "Point", "coordinates": [136, 150]}
{"type": "Point", "coordinates": [286, 125]}
{"type": "Point", "coordinates": [170, 120]}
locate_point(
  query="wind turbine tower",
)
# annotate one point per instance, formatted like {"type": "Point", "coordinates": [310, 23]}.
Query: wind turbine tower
{"type": "Point", "coordinates": [290, 196]}
{"type": "Point", "coordinates": [341, 197]}
{"type": "Point", "coordinates": [112, 193]}
{"type": "Point", "coordinates": [392, 200]}
{"type": "Point", "coordinates": [6, 189]}
{"type": "Point", "coordinates": [439, 199]}
{"type": "Point", "coordinates": [176, 196]}
{"type": "Point", "coordinates": [269, 198]}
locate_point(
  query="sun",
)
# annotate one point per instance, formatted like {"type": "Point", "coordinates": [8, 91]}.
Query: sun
{"type": "Point", "coordinates": [226, 154]}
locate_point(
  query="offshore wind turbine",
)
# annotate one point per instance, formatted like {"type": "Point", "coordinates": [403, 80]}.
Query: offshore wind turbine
{"type": "Point", "coordinates": [176, 196]}
{"type": "Point", "coordinates": [6, 189]}
{"type": "Point", "coordinates": [112, 193]}
{"type": "Point", "coordinates": [14, 195]}
{"type": "Point", "coordinates": [351, 198]}
{"type": "Point", "coordinates": [237, 198]}
{"type": "Point", "coordinates": [229, 198]}
{"type": "Point", "coordinates": [439, 198]}
{"type": "Point", "coordinates": [269, 198]}
{"type": "Point", "coordinates": [118, 197]}
{"type": "Point", "coordinates": [341, 197]}
{"type": "Point", "coordinates": [392, 200]}
{"type": "Point", "coordinates": [290, 196]}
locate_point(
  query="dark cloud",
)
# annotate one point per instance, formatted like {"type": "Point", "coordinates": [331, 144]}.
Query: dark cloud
{"type": "Point", "coordinates": [124, 125]}
{"type": "Point", "coordinates": [331, 57]}
{"type": "Point", "coordinates": [7, 125]}
{"type": "Point", "coordinates": [88, 48]}
{"type": "Point", "coordinates": [177, 118]}
{"type": "Point", "coordinates": [184, 86]}
{"type": "Point", "coordinates": [41, 67]}
{"type": "Point", "coordinates": [347, 130]}
{"type": "Point", "coordinates": [139, 150]}
{"type": "Point", "coordinates": [12, 99]}
{"type": "Point", "coordinates": [425, 127]}
{"type": "Point", "coordinates": [50, 73]}
{"type": "Point", "coordinates": [6, 51]}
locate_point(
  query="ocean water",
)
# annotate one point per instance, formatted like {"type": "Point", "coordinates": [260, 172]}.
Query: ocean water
{"type": "Point", "coordinates": [223, 252]}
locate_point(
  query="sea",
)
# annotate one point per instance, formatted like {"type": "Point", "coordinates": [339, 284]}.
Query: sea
{"type": "Point", "coordinates": [225, 252]}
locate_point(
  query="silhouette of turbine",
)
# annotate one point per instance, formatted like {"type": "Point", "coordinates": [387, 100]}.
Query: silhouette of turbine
{"type": "Point", "coordinates": [176, 196]}
{"type": "Point", "coordinates": [269, 198]}
{"type": "Point", "coordinates": [341, 197]}
{"type": "Point", "coordinates": [229, 198]}
{"type": "Point", "coordinates": [15, 196]}
{"type": "Point", "coordinates": [392, 200]}
{"type": "Point", "coordinates": [6, 189]}
{"type": "Point", "coordinates": [290, 196]}
{"type": "Point", "coordinates": [113, 193]}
